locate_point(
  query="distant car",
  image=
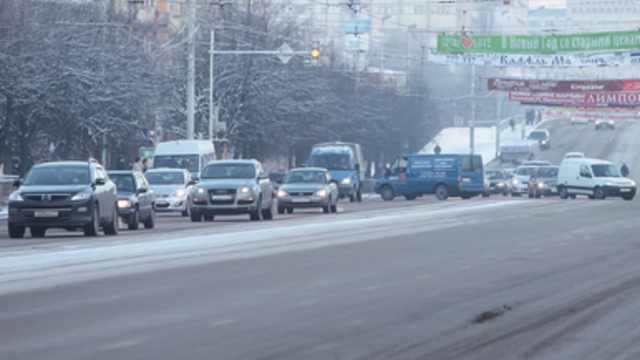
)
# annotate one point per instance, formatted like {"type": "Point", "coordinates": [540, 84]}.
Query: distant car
{"type": "Point", "coordinates": [498, 182]}
{"type": "Point", "coordinates": [544, 182]}
{"type": "Point", "coordinates": [601, 124]}
{"type": "Point", "coordinates": [537, 163]}
{"type": "Point", "coordinates": [136, 199]}
{"type": "Point", "coordinates": [543, 138]}
{"type": "Point", "coordinates": [64, 194]}
{"type": "Point", "coordinates": [520, 181]}
{"type": "Point", "coordinates": [591, 120]}
{"type": "Point", "coordinates": [306, 188]}
{"type": "Point", "coordinates": [574, 155]}
{"type": "Point", "coordinates": [232, 187]}
{"type": "Point", "coordinates": [277, 178]}
{"type": "Point", "coordinates": [579, 121]}
{"type": "Point", "coordinates": [172, 188]}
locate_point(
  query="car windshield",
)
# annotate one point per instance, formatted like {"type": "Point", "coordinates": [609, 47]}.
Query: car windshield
{"type": "Point", "coordinates": [525, 171]}
{"type": "Point", "coordinates": [547, 172]}
{"type": "Point", "coordinates": [537, 135]}
{"type": "Point", "coordinates": [605, 170]}
{"type": "Point", "coordinates": [308, 176]}
{"type": "Point", "coordinates": [471, 163]}
{"type": "Point", "coordinates": [165, 177]}
{"type": "Point", "coordinates": [188, 162]}
{"type": "Point", "coordinates": [274, 177]}
{"type": "Point", "coordinates": [229, 171]}
{"type": "Point", "coordinates": [124, 182]}
{"type": "Point", "coordinates": [331, 161]}
{"type": "Point", "coordinates": [495, 175]}
{"type": "Point", "coordinates": [58, 175]}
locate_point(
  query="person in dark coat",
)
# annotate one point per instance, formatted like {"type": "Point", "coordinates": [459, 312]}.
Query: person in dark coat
{"type": "Point", "coordinates": [437, 149]}
{"type": "Point", "coordinates": [145, 165]}
{"type": "Point", "coordinates": [624, 170]}
{"type": "Point", "coordinates": [122, 165]}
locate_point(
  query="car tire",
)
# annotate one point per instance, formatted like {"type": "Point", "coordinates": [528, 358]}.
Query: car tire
{"type": "Point", "coordinates": [530, 194]}
{"type": "Point", "coordinates": [505, 194]}
{"type": "Point", "coordinates": [134, 220]}
{"type": "Point", "coordinates": [573, 196]}
{"type": "Point", "coordinates": [591, 197]}
{"type": "Point", "coordinates": [280, 210]}
{"type": "Point", "coordinates": [387, 193]}
{"type": "Point", "coordinates": [465, 197]}
{"type": "Point", "coordinates": [37, 232]}
{"type": "Point", "coordinates": [256, 215]}
{"type": "Point", "coordinates": [150, 223]}
{"type": "Point", "coordinates": [187, 210]}
{"type": "Point", "coordinates": [195, 217]}
{"type": "Point", "coordinates": [334, 208]}
{"type": "Point", "coordinates": [598, 193]}
{"type": "Point", "coordinates": [209, 217]}
{"type": "Point", "coordinates": [352, 197]}
{"type": "Point", "coordinates": [290, 210]}
{"type": "Point", "coordinates": [442, 193]}
{"type": "Point", "coordinates": [16, 232]}
{"type": "Point", "coordinates": [537, 195]}
{"type": "Point", "coordinates": [93, 227]}
{"type": "Point", "coordinates": [112, 228]}
{"type": "Point", "coordinates": [627, 198]}
{"type": "Point", "coordinates": [326, 209]}
{"type": "Point", "coordinates": [267, 214]}
{"type": "Point", "coordinates": [563, 193]}
{"type": "Point", "coordinates": [411, 197]}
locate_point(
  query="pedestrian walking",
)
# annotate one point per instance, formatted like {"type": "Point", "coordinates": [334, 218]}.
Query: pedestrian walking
{"type": "Point", "coordinates": [145, 165]}
{"type": "Point", "coordinates": [512, 123]}
{"type": "Point", "coordinates": [122, 165]}
{"type": "Point", "coordinates": [624, 170]}
{"type": "Point", "coordinates": [437, 149]}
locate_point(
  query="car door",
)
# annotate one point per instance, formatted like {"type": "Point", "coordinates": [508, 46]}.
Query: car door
{"type": "Point", "coordinates": [398, 177]}
{"type": "Point", "coordinates": [142, 193]}
{"type": "Point", "coordinates": [101, 194]}
{"type": "Point", "coordinates": [265, 186]}
{"type": "Point", "coordinates": [586, 181]}
{"type": "Point", "coordinates": [421, 176]}
{"type": "Point", "coordinates": [331, 188]}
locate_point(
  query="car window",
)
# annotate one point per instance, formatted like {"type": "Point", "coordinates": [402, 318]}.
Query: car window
{"type": "Point", "coordinates": [165, 177]}
{"type": "Point", "coordinates": [605, 170]}
{"type": "Point", "coordinates": [58, 175]}
{"type": "Point", "coordinates": [526, 171]}
{"type": "Point", "coordinates": [306, 176]}
{"type": "Point", "coordinates": [188, 162]}
{"type": "Point", "coordinates": [536, 135]}
{"type": "Point", "coordinates": [229, 171]}
{"type": "Point", "coordinates": [584, 171]}
{"type": "Point", "coordinates": [124, 182]}
{"type": "Point", "coordinates": [547, 172]}
{"type": "Point", "coordinates": [471, 163]}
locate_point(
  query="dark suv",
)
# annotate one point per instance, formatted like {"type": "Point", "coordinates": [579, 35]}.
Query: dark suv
{"type": "Point", "coordinates": [64, 194]}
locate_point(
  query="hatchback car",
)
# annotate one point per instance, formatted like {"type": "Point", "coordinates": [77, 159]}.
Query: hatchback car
{"type": "Point", "coordinates": [232, 187]}
{"type": "Point", "coordinates": [64, 194]}
{"type": "Point", "coordinates": [136, 199]}
{"type": "Point", "coordinates": [543, 138]}
{"type": "Point", "coordinates": [603, 124]}
{"type": "Point", "coordinates": [172, 188]}
{"type": "Point", "coordinates": [498, 182]}
{"type": "Point", "coordinates": [544, 182]}
{"type": "Point", "coordinates": [520, 181]}
{"type": "Point", "coordinates": [308, 188]}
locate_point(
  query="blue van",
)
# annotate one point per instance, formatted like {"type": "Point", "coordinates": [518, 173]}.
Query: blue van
{"type": "Point", "coordinates": [444, 175]}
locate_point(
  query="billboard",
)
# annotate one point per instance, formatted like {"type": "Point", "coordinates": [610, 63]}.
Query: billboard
{"type": "Point", "coordinates": [578, 98]}
{"type": "Point", "coordinates": [631, 85]}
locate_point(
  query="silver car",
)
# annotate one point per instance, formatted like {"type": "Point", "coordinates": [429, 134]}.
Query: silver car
{"type": "Point", "coordinates": [306, 188]}
{"type": "Point", "coordinates": [172, 188]}
{"type": "Point", "coordinates": [232, 187]}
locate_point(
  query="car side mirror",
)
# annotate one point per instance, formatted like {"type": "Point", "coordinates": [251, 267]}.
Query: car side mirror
{"type": "Point", "coordinates": [17, 183]}
{"type": "Point", "coordinates": [142, 191]}
{"type": "Point", "coordinates": [101, 181]}
{"type": "Point", "coordinates": [192, 182]}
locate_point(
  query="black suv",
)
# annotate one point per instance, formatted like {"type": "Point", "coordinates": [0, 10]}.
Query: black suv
{"type": "Point", "coordinates": [64, 194]}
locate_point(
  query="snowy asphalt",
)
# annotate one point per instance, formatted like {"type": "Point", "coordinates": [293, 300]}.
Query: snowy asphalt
{"type": "Point", "coordinates": [497, 278]}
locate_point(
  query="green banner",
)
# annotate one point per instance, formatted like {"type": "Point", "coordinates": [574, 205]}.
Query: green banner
{"type": "Point", "coordinates": [539, 43]}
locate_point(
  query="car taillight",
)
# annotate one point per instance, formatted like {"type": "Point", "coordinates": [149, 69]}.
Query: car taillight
{"type": "Point", "coordinates": [459, 178]}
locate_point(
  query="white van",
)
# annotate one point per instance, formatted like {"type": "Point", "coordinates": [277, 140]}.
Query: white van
{"type": "Point", "coordinates": [192, 155]}
{"type": "Point", "coordinates": [595, 178]}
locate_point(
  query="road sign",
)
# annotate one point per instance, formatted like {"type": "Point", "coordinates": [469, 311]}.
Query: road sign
{"type": "Point", "coordinates": [286, 52]}
{"type": "Point", "coordinates": [141, 135]}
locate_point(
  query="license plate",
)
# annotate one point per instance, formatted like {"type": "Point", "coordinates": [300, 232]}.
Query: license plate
{"type": "Point", "coordinates": [466, 179]}
{"type": "Point", "coordinates": [45, 214]}
{"type": "Point", "coordinates": [162, 203]}
{"type": "Point", "coordinates": [221, 197]}
{"type": "Point", "coordinates": [625, 190]}
{"type": "Point", "coordinates": [301, 200]}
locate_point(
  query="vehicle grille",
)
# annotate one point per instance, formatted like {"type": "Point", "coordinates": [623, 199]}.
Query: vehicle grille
{"type": "Point", "coordinates": [51, 197]}
{"type": "Point", "coordinates": [301, 193]}
{"type": "Point", "coordinates": [165, 205]}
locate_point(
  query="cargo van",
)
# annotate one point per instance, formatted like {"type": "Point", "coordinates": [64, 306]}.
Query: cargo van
{"type": "Point", "coordinates": [444, 175]}
{"type": "Point", "coordinates": [345, 164]}
{"type": "Point", "coordinates": [595, 178]}
{"type": "Point", "coordinates": [191, 155]}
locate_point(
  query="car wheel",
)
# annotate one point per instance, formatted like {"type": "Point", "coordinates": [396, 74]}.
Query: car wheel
{"type": "Point", "coordinates": [187, 210]}
{"type": "Point", "coordinates": [326, 209]}
{"type": "Point", "coordinates": [599, 194]}
{"type": "Point", "coordinates": [387, 193]}
{"type": "Point", "coordinates": [627, 198]}
{"type": "Point", "coordinates": [591, 197]}
{"type": "Point", "coordinates": [255, 215]}
{"type": "Point", "coordinates": [209, 217]}
{"type": "Point", "coordinates": [196, 217]}
{"type": "Point", "coordinates": [150, 223]}
{"type": "Point", "coordinates": [563, 193]}
{"type": "Point", "coordinates": [536, 195]}
{"type": "Point", "coordinates": [442, 193]}
{"type": "Point", "coordinates": [280, 210]}
{"type": "Point", "coordinates": [16, 232]}
{"type": "Point", "coordinates": [37, 232]}
{"type": "Point", "coordinates": [465, 197]}
{"type": "Point", "coordinates": [112, 228]}
{"type": "Point", "coordinates": [572, 196]}
{"type": "Point", "coordinates": [334, 208]}
{"type": "Point", "coordinates": [267, 214]}
{"type": "Point", "coordinates": [505, 194]}
{"type": "Point", "coordinates": [134, 220]}
{"type": "Point", "coordinates": [530, 194]}
{"type": "Point", "coordinates": [290, 210]}
{"type": "Point", "coordinates": [93, 227]}
{"type": "Point", "coordinates": [410, 197]}
{"type": "Point", "coordinates": [352, 197]}
{"type": "Point", "coordinates": [486, 194]}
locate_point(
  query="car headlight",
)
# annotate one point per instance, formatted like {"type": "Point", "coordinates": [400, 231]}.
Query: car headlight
{"type": "Point", "coordinates": [179, 193]}
{"type": "Point", "coordinates": [633, 183]}
{"type": "Point", "coordinates": [81, 196]}
{"type": "Point", "coordinates": [346, 181]}
{"type": "Point", "coordinates": [543, 141]}
{"type": "Point", "coordinates": [200, 190]}
{"type": "Point", "coordinates": [500, 184]}
{"type": "Point", "coordinates": [245, 190]}
{"type": "Point", "coordinates": [610, 122]}
{"type": "Point", "coordinates": [321, 193]}
{"type": "Point", "coordinates": [541, 185]}
{"type": "Point", "coordinates": [124, 203]}
{"type": "Point", "coordinates": [516, 181]}
{"type": "Point", "coordinates": [16, 197]}
{"type": "Point", "coordinates": [597, 122]}
{"type": "Point", "coordinates": [282, 193]}
{"type": "Point", "coordinates": [610, 183]}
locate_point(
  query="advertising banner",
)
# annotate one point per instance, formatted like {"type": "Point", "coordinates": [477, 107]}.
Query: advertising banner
{"type": "Point", "coordinates": [562, 85]}
{"type": "Point", "coordinates": [586, 113]}
{"type": "Point", "coordinates": [578, 98]}
{"type": "Point", "coordinates": [623, 40]}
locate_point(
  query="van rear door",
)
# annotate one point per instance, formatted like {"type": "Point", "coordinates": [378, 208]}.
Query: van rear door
{"type": "Point", "coordinates": [471, 173]}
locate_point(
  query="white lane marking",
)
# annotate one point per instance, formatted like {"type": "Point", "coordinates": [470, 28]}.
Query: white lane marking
{"type": "Point", "coordinates": [223, 322]}
{"type": "Point", "coordinates": [422, 277]}
{"type": "Point", "coordinates": [371, 288]}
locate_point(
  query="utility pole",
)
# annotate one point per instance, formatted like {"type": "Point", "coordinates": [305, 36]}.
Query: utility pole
{"type": "Point", "coordinates": [191, 72]}
{"type": "Point", "coordinates": [473, 109]}
{"type": "Point", "coordinates": [498, 116]}
{"type": "Point", "coordinates": [212, 124]}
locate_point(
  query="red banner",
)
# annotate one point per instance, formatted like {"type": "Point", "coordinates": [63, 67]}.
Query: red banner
{"type": "Point", "coordinates": [578, 98]}
{"type": "Point", "coordinates": [563, 85]}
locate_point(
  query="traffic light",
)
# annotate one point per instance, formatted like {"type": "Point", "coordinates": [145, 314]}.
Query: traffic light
{"type": "Point", "coordinates": [315, 53]}
{"type": "Point", "coordinates": [307, 60]}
